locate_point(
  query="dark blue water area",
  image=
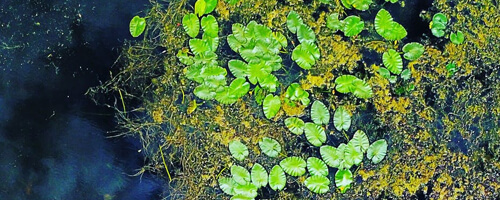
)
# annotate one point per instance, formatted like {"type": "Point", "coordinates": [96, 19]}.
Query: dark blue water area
{"type": "Point", "coordinates": [54, 141]}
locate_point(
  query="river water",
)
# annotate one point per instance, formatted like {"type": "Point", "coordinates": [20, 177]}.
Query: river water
{"type": "Point", "coordinates": [54, 141]}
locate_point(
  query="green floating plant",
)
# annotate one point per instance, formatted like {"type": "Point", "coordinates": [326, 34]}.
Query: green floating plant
{"type": "Point", "coordinates": [277, 178]}
{"type": "Point", "coordinates": [406, 74]}
{"type": "Point", "coordinates": [352, 25]}
{"type": "Point", "coordinates": [343, 180]}
{"type": "Point", "coordinates": [259, 175]}
{"type": "Point", "coordinates": [247, 191]}
{"type": "Point", "coordinates": [227, 185]}
{"type": "Point", "coordinates": [270, 147]}
{"type": "Point", "coordinates": [350, 83]}
{"type": "Point", "coordinates": [358, 4]}
{"type": "Point", "coordinates": [295, 93]}
{"type": "Point", "coordinates": [333, 22]}
{"type": "Point", "coordinates": [238, 150]}
{"type": "Point", "coordinates": [137, 26]}
{"type": "Point", "coordinates": [295, 125]}
{"type": "Point", "coordinates": [331, 155]}
{"type": "Point", "coordinates": [452, 69]}
{"type": "Point", "coordinates": [438, 24]}
{"type": "Point", "coordinates": [318, 184]}
{"type": "Point", "coordinates": [457, 38]}
{"type": "Point", "coordinates": [317, 167]}
{"type": "Point", "coordinates": [352, 154]}
{"type": "Point", "coordinates": [271, 105]}
{"type": "Point", "coordinates": [360, 141]}
{"type": "Point", "coordinates": [393, 61]}
{"type": "Point", "coordinates": [342, 119]}
{"type": "Point", "coordinates": [377, 151]}
{"type": "Point", "coordinates": [293, 21]}
{"type": "Point", "coordinates": [210, 26]}
{"type": "Point", "coordinates": [315, 134]}
{"type": "Point", "coordinates": [232, 2]}
{"type": "Point", "coordinates": [392, 1]}
{"type": "Point", "coordinates": [387, 27]}
{"type": "Point", "coordinates": [319, 113]}
{"type": "Point", "coordinates": [240, 174]}
{"type": "Point", "coordinates": [413, 50]}
{"type": "Point", "coordinates": [294, 166]}
{"type": "Point", "coordinates": [306, 53]}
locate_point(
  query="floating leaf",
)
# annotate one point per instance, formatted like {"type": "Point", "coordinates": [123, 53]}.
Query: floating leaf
{"type": "Point", "coordinates": [353, 25]}
{"type": "Point", "coordinates": [452, 68]}
{"type": "Point", "coordinates": [362, 89]}
{"type": "Point", "coordinates": [295, 92]}
{"type": "Point", "coordinates": [387, 28]}
{"type": "Point", "coordinates": [277, 178]}
{"type": "Point", "coordinates": [303, 57]}
{"type": "Point", "coordinates": [314, 134]}
{"type": "Point", "coordinates": [191, 24]}
{"type": "Point", "coordinates": [198, 46]}
{"type": "Point", "coordinates": [200, 7]}
{"type": "Point", "coordinates": [269, 82]}
{"type": "Point", "coordinates": [204, 92]}
{"type": "Point", "coordinates": [259, 175]}
{"type": "Point", "coordinates": [294, 166]}
{"type": "Point", "coordinates": [238, 68]}
{"type": "Point", "coordinates": [234, 44]}
{"type": "Point", "coordinates": [210, 6]}
{"type": "Point", "coordinates": [319, 113]}
{"type": "Point", "coordinates": [438, 24]}
{"type": "Point", "coordinates": [318, 184]}
{"type": "Point", "coordinates": [293, 21]}
{"type": "Point", "coordinates": [333, 22]}
{"type": "Point", "coordinates": [342, 119]}
{"type": "Point", "coordinates": [238, 150]}
{"type": "Point", "coordinates": [352, 155]}
{"type": "Point", "coordinates": [331, 155]}
{"type": "Point", "coordinates": [227, 185]}
{"type": "Point", "coordinates": [413, 50]}
{"type": "Point", "coordinates": [316, 166]}
{"type": "Point", "coordinates": [392, 60]}
{"type": "Point", "coordinates": [240, 196]}
{"type": "Point", "coordinates": [344, 83]}
{"type": "Point", "coordinates": [457, 38]}
{"type": "Point", "coordinates": [247, 190]}
{"type": "Point", "coordinates": [137, 26]}
{"type": "Point", "coordinates": [281, 39]}
{"type": "Point", "coordinates": [361, 4]}
{"type": "Point", "coordinates": [224, 95]}
{"type": "Point", "coordinates": [239, 87]}
{"type": "Point", "coordinates": [341, 149]}
{"type": "Point", "coordinates": [240, 174]}
{"type": "Point", "coordinates": [360, 141]}
{"type": "Point", "coordinates": [384, 72]}
{"type": "Point", "coordinates": [210, 26]}
{"type": "Point", "coordinates": [406, 74]}
{"type": "Point", "coordinates": [440, 18]}
{"type": "Point", "coordinates": [271, 105]}
{"type": "Point", "coordinates": [377, 151]}
{"type": "Point", "coordinates": [305, 34]}
{"type": "Point", "coordinates": [295, 125]}
{"type": "Point", "coordinates": [343, 180]}
{"type": "Point", "coordinates": [270, 147]}
{"type": "Point", "coordinates": [184, 58]}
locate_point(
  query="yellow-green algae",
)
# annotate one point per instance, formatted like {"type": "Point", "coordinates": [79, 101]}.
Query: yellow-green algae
{"type": "Point", "coordinates": [419, 125]}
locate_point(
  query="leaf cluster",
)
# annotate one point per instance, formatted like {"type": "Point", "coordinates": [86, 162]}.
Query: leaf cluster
{"type": "Point", "coordinates": [438, 24]}
{"type": "Point", "coordinates": [351, 25]}
{"type": "Point", "coordinates": [307, 52]}
{"type": "Point", "coordinates": [352, 84]}
{"type": "Point", "coordinates": [387, 27]}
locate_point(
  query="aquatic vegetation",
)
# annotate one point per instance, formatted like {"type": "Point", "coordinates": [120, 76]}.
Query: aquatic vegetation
{"type": "Point", "coordinates": [331, 155]}
{"type": "Point", "coordinates": [316, 167]}
{"type": "Point", "coordinates": [137, 26]}
{"type": "Point", "coordinates": [352, 84]}
{"type": "Point", "coordinates": [319, 113]}
{"type": "Point", "coordinates": [358, 4]}
{"type": "Point", "coordinates": [343, 180]}
{"type": "Point", "coordinates": [294, 166]}
{"type": "Point", "coordinates": [342, 119]}
{"type": "Point", "coordinates": [333, 22]}
{"type": "Point", "coordinates": [270, 147]}
{"type": "Point", "coordinates": [392, 1]}
{"type": "Point", "coordinates": [318, 184]}
{"type": "Point", "coordinates": [387, 27]}
{"type": "Point", "coordinates": [413, 51]}
{"type": "Point", "coordinates": [295, 93]}
{"type": "Point", "coordinates": [277, 178]}
{"type": "Point", "coordinates": [259, 175]}
{"type": "Point", "coordinates": [238, 150]}
{"type": "Point", "coordinates": [377, 151]}
{"type": "Point", "coordinates": [306, 53]}
{"type": "Point", "coordinates": [353, 25]}
{"type": "Point", "coordinates": [314, 134]}
{"type": "Point", "coordinates": [457, 38]}
{"type": "Point", "coordinates": [438, 24]}
{"type": "Point", "coordinates": [191, 24]}
{"type": "Point", "coordinates": [451, 68]}
{"type": "Point", "coordinates": [295, 125]}
{"type": "Point", "coordinates": [240, 174]}
{"type": "Point", "coordinates": [393, 61]}
{"type": "Point", "coordinates": [271, 105]}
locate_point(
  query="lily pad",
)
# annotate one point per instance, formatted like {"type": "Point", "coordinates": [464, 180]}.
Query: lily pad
{"type": "Point", "coordinates": [270, 147]}
{"type": "Point", "coordinates": [271, 105]}
{"type": "Point", "coordinates": [342, 119]}
{"type": "Point", "coordinates": [204, 92]}
{"type": "Point", "coordinates": [227, 185]}
{"type": "Point", "coordinates": [294, 166]}
{"type": "Point", "coordinates": [295, 92]}
{"type": "Point", "coordinates": [331, 155]}
{"type": "Point", "coordinates": [316, 166]}
{"type": "Point", "coordinates": [344, 83]}
{"type": "Point", "coordinates": [137, 26]}
{"type": "Point", "coordinates": [392, 60]}
{"type": "Point", "coordinates": [295, 125]}
{"type": "Point", "coordinates": [239, 87]}
{"type": "Point", "coordinates": [343, 180]}
{"type": "Point", "coordinates": [240, 174]}
{"type": "Point", "coordinates": [360, 141]}
{"type": "Point", "coordinates": [191, 24]}
{"type": "Point", "coordinates": [281, 39]}
{"type": "Point", "coordinates": [353, 155]}
{"type": "Point", "coordinates": [293, 21]}
{"type": "Point", "coordinates": [406, 74]}
{"type": "Point", "coordinates": [247, 190]}
{"type": "Point", "coordinates": [305, 34]}
{"type": "Point", "coordinates": [315, 134]}
{"type": "Point", "coordinates": [318, 184]}
{"type": "Point", "coordinates": [198, 46]}
{"type": "Point", "coordinates": [413, 50]}
{"type": "Point", "coordinates": [353, 25]}
{"type": "Point", "coordinates": [362, 89]}
{"type": "Point", "coordinates": [319, 113]}
{"type": "Point", "coordinates": [238, 68]}
{"type": "Point", "coordinates": [210, 6]}
{"type": "Point", "coordinates": [387, 28]}
{"type": "Point", "coordinates": [457, 38]}
{"type": "Point", "coordinates": [277, 178]}
{"type": "Point", "coordinates": [200, 7]}
{"type": "Point", "coordinates": [303, 56]}
{"type": "Point", "coordinates": [259, 175]}
{"type": "Point", "coordinates": [333, 22]}
{"type": "Point", "coordinates": [238, 150]}
{"type": "Point", "coordinates": [377, 151]}
{"type": "Point", "coordinates": [210, 26]}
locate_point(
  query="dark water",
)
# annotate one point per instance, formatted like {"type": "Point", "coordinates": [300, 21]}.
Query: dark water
{"type": "Point", "coordinates": [53, 141]}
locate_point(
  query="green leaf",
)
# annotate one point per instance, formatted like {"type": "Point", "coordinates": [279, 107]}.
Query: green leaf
{"type": "Point", "coordinates": [210, 26]}
{"type": "Point", "coordinates": [406, 74]}
{"type": "Point", "coordinates": [247, 190]}
{"type": "Point", "coordinates": [277, 178]}
{"type": "Point", "coordinates": [239, 87]}
{"type": "Point", "coordinates": [392, 60]}
{"type": "Point", "coordinates": [314, 134]}
{"type": "Point", "coordinates": [316, 166]}
{"type": "Point", "coordinates": [257, 71]}
{"type": "Point", "coordinates": [184, 58]}
{"type": "Point", "coordinates": [293, 21]}
{"type": "Point", "coordinates": [204, 92]}
{"type": "Point", "coordinates": [239, 32]}
{"type": "Point", "coordinates": [362, 89]}
{"type": "Point", "coordinates": [360, 141]}
{"type": "Point", "coordinates": [384, 72]}
{"type": "Point", "coordinates": [259, 94]}
{"type": "Point", "coordinates": [452, 69]}
{"type": "Point", "coordinates": [240, 174]}
{"type": "Point", "coordinates": [440, 18]}
{"type": "Point", "coordinates": [353, 25]}
{"type": "Point", "coordinates": [319, 113]}
{"type": "Point", "coordinates": [295, 125]}
{"type": "Point", "coordinates": [240, 196]}
{"type": "Point", "coordinates": [225, 96]}
{"type": "Point", "coordinates": [305, 34]}
{"type": "Point", "coordinates": [333, 22]}
{"type": "Point", "coordinates": [294, 166]}
{"type": "Point", "coordinates": [311, 48]}
{"type": "Point", "coordinates": [259, 175]}
{"type": "Point", "coordinates": [331, 155]}
{"type": "Point", "coordinates": [295, 93]}
{"type": "Point", "coordinates": [347, 3]}
{"type": "Point", "coordinates": [343, 180]}
{"type": "Point", "coordinates": [271, 105]}
{"type": "Point", "coordinates": [413, 51]}
{"type": "Point", "coordinates": [270, 147]}
{"type": "Point", "coordinates": [200, 7]}
{"type": "Point", "coordinates": [392, 1]}
{"type": "Point", "coordinates": [234, 44]}
{"type": "Point", "coordinates": [210, 6]}
{"type": "Point", "coordinates": [302, 57]}
{"type": "Point", "coordinates": [457, 38]}
{"type": "Point", "coordinates": [352, 154]}
{"type": "Point", "coordinates": [281, 39]}
{"type": "Point", "coordinates": [341, 149]}
{"type": "Point", "coordinates": [438, 32]}
{"type": "Point", "coordinates": [137, 26]}
{"type": "Point", "coordinates": [387, 28]}
{"type": "Point", "coordinates": [198, 46]}
{"type": "Point", "coordinates": [318, 184]}
{"type": "Point", "coordinates": [344, 83]}
{"type": "Point", "coordinates": [191, 24]}
{"type": "Point", "coordinates": [377, 151]}
{"type": "Point", "coordinates": [193, 73]}
{"type": "Point", "coordinates": [238, 150]}
{"type": "Point", "coordinates": [269, 82]}
{"type": "Point", "coordinates": [212, 42]}
{"type": "Point", "coordinates": [227, 185]}
{"type": "Point", "coordinates": [238, 68]}
{"type": "Point", "coordinates": [361, 4]}
{"type": "Point", "coordinates": [342, 119]}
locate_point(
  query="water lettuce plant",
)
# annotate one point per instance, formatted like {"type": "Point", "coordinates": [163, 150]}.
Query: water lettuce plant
{"type": "Point", "coordinates": [319, 113]}
{"type": "Point", "coordinates": [377, 151]}
{"type": "Point", "coordinates": [387, 27]}
{"type": "Point", "coordinates": [413, 50]}
{"type": "Point", "coordinates": [294, 166]}
{"type": "Point", "coordinates": [341, 119]}
{"type": "Point", "coordinates": [352, 84]}
{"type": "Point", "coordinates": [314, 134]}
{"type": "Point", "coordinates": [270, 147]}
{"type": "Point", "coordinates": [393, 61]}
{"type": "Point", "coordinates": [457, 38]}
{"type": "Point", "coordinates": [137, 26]}
{"type": "Point", "coordinates": [238, 150]}
{"type": "Point", "coordinates": [318, 184]}
{"type": "Point", "coordinates": [271, 105]}
{"type": "Point", "coordinates": [277, 178]}
{"type": "Point", "coordinates": [438, 24]}
{"type": "Point", "coordinates": [259, 175]}
{"type": "Point", "coordinates": [295, 125]}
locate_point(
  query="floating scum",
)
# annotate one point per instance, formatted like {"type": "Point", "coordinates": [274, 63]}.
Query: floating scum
{"type": "Point", "coordinates": [260, 99]}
